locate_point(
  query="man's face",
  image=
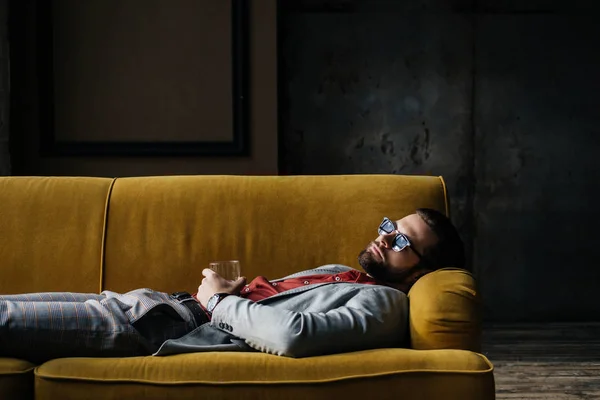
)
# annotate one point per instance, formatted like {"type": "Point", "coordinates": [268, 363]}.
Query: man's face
{"type": "Point", "coordinates": [387, 265]}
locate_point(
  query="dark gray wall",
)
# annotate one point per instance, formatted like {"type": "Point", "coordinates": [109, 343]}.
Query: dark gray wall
{"type": "Point", "coordinates": [4, 90]}
{"type": "Point", "coordinates": [499, 97]}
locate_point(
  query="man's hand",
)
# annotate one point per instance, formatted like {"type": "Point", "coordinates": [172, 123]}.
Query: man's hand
{"type": "Point", "coordinates": [215, 283]}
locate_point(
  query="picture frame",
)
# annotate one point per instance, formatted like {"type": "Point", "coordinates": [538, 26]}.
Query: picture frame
{"type": "Point", "coordinates": [53, 146]}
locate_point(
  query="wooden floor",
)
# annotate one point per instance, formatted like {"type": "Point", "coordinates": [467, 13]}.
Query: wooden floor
{"type": "Point", "coordinates": [557, 361]}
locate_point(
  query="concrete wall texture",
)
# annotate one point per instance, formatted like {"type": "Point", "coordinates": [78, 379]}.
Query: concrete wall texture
{"type": "Point", "coordinates": [4, 90]}
{"type": "Point", "coordinates": [499, 97]}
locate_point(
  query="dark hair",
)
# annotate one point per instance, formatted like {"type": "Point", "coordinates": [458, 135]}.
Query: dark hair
{"type": "Point", "coordinates": [449, 250]}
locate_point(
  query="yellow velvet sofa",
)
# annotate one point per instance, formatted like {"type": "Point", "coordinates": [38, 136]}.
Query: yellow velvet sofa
{"type": "Point", "coordinates": [91, 234]}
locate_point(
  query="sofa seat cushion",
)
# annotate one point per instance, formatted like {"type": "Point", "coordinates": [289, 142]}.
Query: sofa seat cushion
{"type": "Point", "coordinates": [16, 379]}
{"type": "Point", "coordinates": [448, 374]}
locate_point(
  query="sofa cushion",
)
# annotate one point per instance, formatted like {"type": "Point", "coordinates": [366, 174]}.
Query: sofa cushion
{"type": "Point", "coordinates": [16, 379]}
{"type": "Point", "coordinates": [445, 311]}
{"type": "Point", "coordinates": [162, 231]}
{"type": "Point", "coordinates": [51, 233]}
{"type": "Point", "coordinates": [448, 374]}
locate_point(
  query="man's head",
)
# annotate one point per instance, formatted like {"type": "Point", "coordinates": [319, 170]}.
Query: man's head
{"type": "Point", "coordinates": [426, 241]}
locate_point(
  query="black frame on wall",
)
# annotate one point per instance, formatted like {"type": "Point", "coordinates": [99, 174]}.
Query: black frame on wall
{"type": "Point", "coordinates": [238, 146]}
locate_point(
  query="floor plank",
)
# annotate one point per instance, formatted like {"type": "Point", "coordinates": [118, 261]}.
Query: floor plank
{"type": "Point", "coordinates": [556, 361]}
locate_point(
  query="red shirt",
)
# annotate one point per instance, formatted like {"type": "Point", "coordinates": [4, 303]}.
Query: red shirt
{"type": "Point", "coordinates": [260, 288]}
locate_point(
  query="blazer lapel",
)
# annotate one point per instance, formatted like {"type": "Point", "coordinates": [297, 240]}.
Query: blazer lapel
{"type": "Point", "coordinates": [333, 269]}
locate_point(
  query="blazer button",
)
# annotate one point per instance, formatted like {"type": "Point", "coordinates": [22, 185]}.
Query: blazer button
{"type": "Point", "coordinates": [221, 325]}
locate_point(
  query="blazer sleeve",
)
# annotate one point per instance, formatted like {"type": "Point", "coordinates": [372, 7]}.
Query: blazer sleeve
{"type": "Point", "coordinates": [372, 317]}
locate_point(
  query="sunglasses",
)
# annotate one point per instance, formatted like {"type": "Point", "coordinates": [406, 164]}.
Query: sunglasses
{"type": "Point", "coordinates": [400, 241]}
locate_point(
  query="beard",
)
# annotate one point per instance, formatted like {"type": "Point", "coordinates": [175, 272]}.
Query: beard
{"type": "Point", "coordinates": [379, 270]}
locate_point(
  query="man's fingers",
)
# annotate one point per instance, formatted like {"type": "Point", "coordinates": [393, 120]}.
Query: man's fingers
{"type": "Point", "coordinates": [239, 282]}
{"type": "Point", "coordinates": [208, 272]}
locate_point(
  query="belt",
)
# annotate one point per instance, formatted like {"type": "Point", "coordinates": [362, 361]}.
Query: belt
{"type": "Point", "coordinates": [187, 300]}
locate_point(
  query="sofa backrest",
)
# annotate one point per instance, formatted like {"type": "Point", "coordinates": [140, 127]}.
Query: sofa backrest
{"type": "Point", "coordinates": [162, 231]}
{"type": "Point", "coordinates": [51, 232]}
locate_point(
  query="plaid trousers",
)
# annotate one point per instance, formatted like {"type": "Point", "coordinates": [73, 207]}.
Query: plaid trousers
{"type": "Point", "coordinates": [42, 326]}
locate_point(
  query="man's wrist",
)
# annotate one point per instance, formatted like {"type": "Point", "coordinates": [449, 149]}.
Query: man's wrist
{"type": "Point", "coordinates": [214, 301]}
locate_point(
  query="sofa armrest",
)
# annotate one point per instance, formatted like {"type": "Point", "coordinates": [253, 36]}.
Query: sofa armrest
{"type": "Point", "coordinates": [445, 311]}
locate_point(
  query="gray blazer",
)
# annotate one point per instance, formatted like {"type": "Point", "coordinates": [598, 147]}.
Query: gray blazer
{"type": "Point", "coordinates": [316, 319]}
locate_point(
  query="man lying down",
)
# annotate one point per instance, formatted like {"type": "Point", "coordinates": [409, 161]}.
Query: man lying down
{"type": "Point", "coordinates": [329, 309]}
